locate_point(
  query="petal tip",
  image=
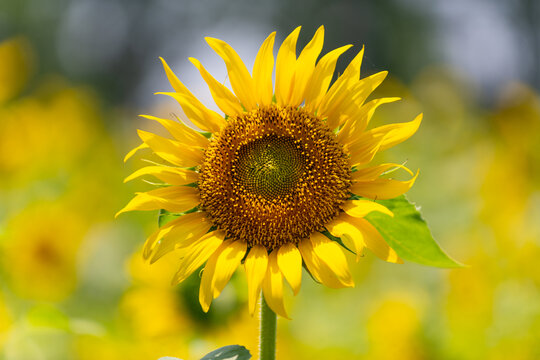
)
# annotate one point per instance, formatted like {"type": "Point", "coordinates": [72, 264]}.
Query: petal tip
{"type": "Point", "coordinates": [195, 62]}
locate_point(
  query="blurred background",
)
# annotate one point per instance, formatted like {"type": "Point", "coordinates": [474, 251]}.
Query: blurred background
{"type": "Point", "coordinates": [74, 75]}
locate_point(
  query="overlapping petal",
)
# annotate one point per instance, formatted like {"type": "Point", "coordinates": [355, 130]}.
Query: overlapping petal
{"type": "Point", "coordinates": [351, 106]}
{"type": "Point", "coordinates": [201, 116]}
{"type": "Point", "coordinates": [273, 286]}
{"type": "Point", "coordinates": [169, 174]}
{"type": "Point", "coordinates": [241, 80]}
{"type": "Point", "coordinates": [360, 208]}
{"type": "Point", "coordinates": [285, 66]}
{"type": "Point", "coordinates": [223, 97]}
{"type": "Point", "coordinates": [305, 65]}
{"type": "Point", "coordinates": [197, 253]}
{"type": "Point", "coordinates": [178, 231]}
{"type": "Point", "coordinates": [172, 151]}
{"type": "Point", "coordinates": [362, 231]}
{"type": "Point", "coordinates": [256, 263]}
{"type": "Point", "coordinates": [171, 198]}
{"type": "Point", "coordinates": [181, 132]}
{"type": "Point", "coordinates": [262, 71]}
{"type": "Point", "coordinates": [326, 261]}
{"type": "Point", "coordinates": [382, 188]}
{"type": "Point", "coordinates": [289, 261]}
{"type": "Point", "coordinates": [219, 269]}
{"type": "Point", "coordinates": [355, 124]}
{"type": "Point", "coordinates": [322, 75]}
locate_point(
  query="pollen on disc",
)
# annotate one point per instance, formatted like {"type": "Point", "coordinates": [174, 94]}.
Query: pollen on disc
{"type": "Point", "coordinates": [273, 176]}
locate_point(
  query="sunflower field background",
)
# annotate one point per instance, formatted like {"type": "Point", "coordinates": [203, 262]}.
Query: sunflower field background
{"type": "Point", "coordinates": [74, 75]}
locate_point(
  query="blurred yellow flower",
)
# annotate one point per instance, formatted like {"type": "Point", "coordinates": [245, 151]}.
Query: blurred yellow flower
{"type": "Point", "coordinates": [398, 321]}
{"type": "Point", "coordinates": [272, 181]}
{"type": "Point", "coordinates": [5, 321]}
{"type": "Point", "coordinates": [40, 251]}
{"type": "Point", "coordinates": [46, 132]}
{"type": "Point", "coordinates": [155, 312]}
{"type": "Point", "coordinates": [16, 60]}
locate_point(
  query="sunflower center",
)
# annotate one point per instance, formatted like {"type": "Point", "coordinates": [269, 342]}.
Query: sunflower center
{"type": "Point", "coordinates": [273, 176]}
{"type": "Point", "coordinates": [270, 166]}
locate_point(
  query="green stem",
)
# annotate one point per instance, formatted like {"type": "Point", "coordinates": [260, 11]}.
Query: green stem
{"type": "Point", "coordinates": [268, 332]}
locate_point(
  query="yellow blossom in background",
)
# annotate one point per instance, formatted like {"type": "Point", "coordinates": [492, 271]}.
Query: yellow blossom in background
{"type": "Point", "coordinates": [152, 307]}
{"type": "Point", "coordinates": [6, 320]}
{"type": "Point", "coordinates": [39, 249]}
{"type": "Point", "coordinates": [155, 312]}
{"type": "Point", "coordinates": [16, 65]}
{"type": "Point", "coordinates": [398, 321]}
{"type": "Point", "coordinates": [156, 275]}
{"type": "Point", "coordinates": [45, 133]}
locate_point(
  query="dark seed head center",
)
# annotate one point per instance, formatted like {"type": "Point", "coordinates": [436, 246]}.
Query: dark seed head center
{"type": "Point", "coordinates": [273, 176]}
{"type": "Point", "coordinates": [269, 167]}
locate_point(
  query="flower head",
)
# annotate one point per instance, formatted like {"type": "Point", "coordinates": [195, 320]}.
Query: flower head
{"type": "Point", "coordinates": [276, 181]}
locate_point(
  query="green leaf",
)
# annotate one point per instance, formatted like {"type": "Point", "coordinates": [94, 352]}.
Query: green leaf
{"type": "Point", "coordinates": [229, 352]}
{"type": "Point", "coordinates": [408, 234]}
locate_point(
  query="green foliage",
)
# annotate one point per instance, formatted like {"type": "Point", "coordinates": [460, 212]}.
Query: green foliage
{"type": "Point", "coordinates": [408, 234]}
{"type": "Point", "coordinates": [229, 352]}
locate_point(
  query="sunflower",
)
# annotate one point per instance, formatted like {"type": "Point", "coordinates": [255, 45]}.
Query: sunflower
{"type": "Point", "coordinates": [281, 181]}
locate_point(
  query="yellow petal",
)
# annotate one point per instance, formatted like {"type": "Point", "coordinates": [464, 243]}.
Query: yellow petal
{"type": "Point", "coordinates": [173, 79]}
{"type": "Point", "coordinates": [352, 72]}
{"type": "Point", "coordinates": [322, 75]}
{"type": "Point", "coordinates": [133, 151]}
{"type": "Point", "coordinates": [373, 240]}
{"type": "Point", "coordinates": [382, 188]}
{"type": "Point", "coordinates": [364, 149]}
{"type": "Point", "coordinates": [181, 132]}
{"type": "Point", "coordinates": [255, 265]}
{"type": "Point", "coordinates": [342, 87]}
{"type": "Point", "coordinates": [394, 134]}
{"type": "Point", "coordinates": [331, 255]}
{"type": "Point", "coordinates": [273, 286]}
{"type": "Point", "coordinates": [364, 87]}
{"type": "Point", "coordinates": [372, 173]}
{"type": "Point", "coordinates": [312, 263]}
{"type": "Point", "coordinates": [223, 97]}
{"type": "Point", "coordinates": [285, 66]}
{"type": "Point", "coordinates": [172, 151]}
{"type": "Point", "coordinates": [197, 253]}
{"type": "Point", "coordinates": [351, 106]}
{"type": "Point", "coordinates": [170, 175]}
{"type": "Point", "coordinates": [317, 267]}
{"type": "Point", "coordinates": [202, 117]}
{"type": "Point", "coordinates": [206, 291]}
{"type": "Point", "coordinates": [171, 198]}
{"type": "Point", "coordinates": [360, 208]}
{"type": "Point", "coordinates": [350, 235]}
{"type": "Point", "coordinates": [290, 264]}
{"type": "Point", "coordinates": [305, 65]}
{"type": "Point", "coordinates": [356, 124]}
{"type": "Point", "coordinates": [177, 231]}
{"type": "Point", "coordinates": [262, 71]}
{"type": "Point", "coordinates": [226, 265]}
{"type": "Point", "coordinates": [241, 80]}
